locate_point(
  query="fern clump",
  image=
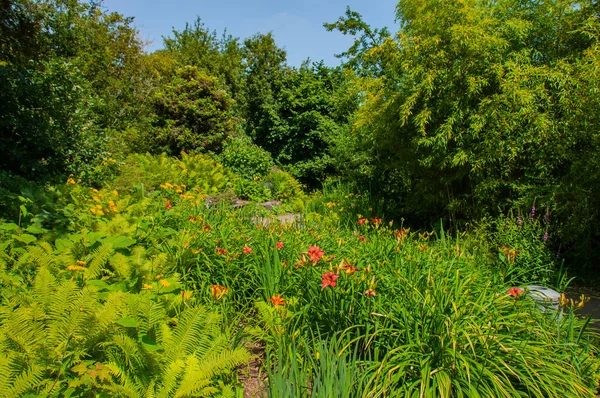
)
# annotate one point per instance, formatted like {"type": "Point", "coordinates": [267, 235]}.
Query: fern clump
{"type": "Point", "coordinates": [71, 338]}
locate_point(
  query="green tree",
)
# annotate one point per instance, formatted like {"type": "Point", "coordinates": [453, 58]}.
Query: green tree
{"type": "Point", "coordinates": [295, 114]}
{"type": "Point", "coordinates": [366, 37]}
{"type": "Point", "coordinates": [68, 73]}
{"type": "Point", "coordinates": [221, 57]}
{"type": "Point", "coordinates": [192, 114]}
{"type": "Point", "coordinates": [480, 106]}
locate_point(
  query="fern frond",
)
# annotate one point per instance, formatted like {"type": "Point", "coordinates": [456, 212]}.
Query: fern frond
{"type": "Point", "coordinates": [110, 311]}
{"type": "Point", "coordinates": [71, 312]}
{"type": "Point", "coordinates": [25, 382]}
{"type": "Point", "coordinates": [128, 351]}
{"type": "Point", "coordinates": [99, 260]}
{"type": "Point", "coordinates": [23, 332]}
{"type": "Point", "coordinates": [128, 386]}
{"type": "Point", "coordinates": [218, 363]}
{"type": "Point", "coordinates": [192, 382]}
{"type": "Point", "coordinates": [171, 378]}
{"type": "Point", "coordinates": [40, 255]}
{"type": "Point", "coordinates": [226, 392]}
{"type": "Point", "coordinates": [151, 314]}
{"type": "Point", "coordinates": [193, 330]}
{"type": "Point", "coordinates": [120, 264]}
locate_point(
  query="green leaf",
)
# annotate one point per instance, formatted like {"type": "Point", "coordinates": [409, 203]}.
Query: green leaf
{"type": "Point", "coordinates": [101, 285]}
{"type": "Point", "coordinates": [25, 238]}
{"type": "Point", "coordinates": [62, 244]}
{"type": "Point", "coordinates": [92, 237]}
{"type": "Point", "coordinates": [150, 344]}
{"type": "Point", "coordinates": [120, 242]}
{"type": "Point", "coordinates": [9, 226]}
{"type": "Point", "coordinates": [128, 322]}
{"type": "Point", "coordinates": [34, 229]}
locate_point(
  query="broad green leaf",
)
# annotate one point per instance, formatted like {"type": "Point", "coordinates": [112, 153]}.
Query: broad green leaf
{"type": "Point", "coordinates": [98, 283]}
{"type": "Point", "coordinates": [25, 238]}
{"type": "Point", "coordinates": [9, 226]}
{"type": "Point", "coordinates": [128, 322]}
{"type": "Point", "coordinates": [62, 244]}
{"type": "Point", "coordinates": [120, 242]}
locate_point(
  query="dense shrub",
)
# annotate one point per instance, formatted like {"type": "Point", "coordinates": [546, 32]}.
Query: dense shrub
{"type": "Point", "coordinates": [148, 172]}
{"type": "Point", "coordinates": [245, 158]}
{"type": "Point", "coordinates": [192, 114]}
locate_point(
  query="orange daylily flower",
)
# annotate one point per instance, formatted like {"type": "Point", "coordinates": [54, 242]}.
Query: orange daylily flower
{"type": "Point", "coordinates": [515, 292]}
{"type": "Point", "coordinates": [315, 253]}
{"type": "Point", "coordinates": [329, 279]}
{"type": "Point", "coordinates": [277, 300]}
{"type": "Point", "coordinates": [350, 270]}
{"type": "Point", "coordinates": [218, 291]}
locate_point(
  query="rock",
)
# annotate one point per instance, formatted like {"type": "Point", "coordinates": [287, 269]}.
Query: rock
{"type": "Point", "coordinates": [270, 204]}
{"type": "Point", "coordinates": [240, 203]}
{"type": "Point", "coordinates": [283, 219]}
{"type": "Point", "coordinates": [546, 298]}
{"type": "Point", "coordinates": [228, 198]}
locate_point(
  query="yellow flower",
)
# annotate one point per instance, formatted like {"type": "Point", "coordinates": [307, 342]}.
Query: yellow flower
{"type": "Point", "coordinates": [115, 192]}
{"type": "Point", "coordinates": [71, 181]}
{"type": "Point", "coordinates": [75, 268]}
{"type": "Point", "coordinates": [147, 286]}
{"type": "Point", "coordinates": [164, 282]}
{"type": "Point", "coordinates": [80, 262]}
{"type": "Point", "coordinates": [96, 199]}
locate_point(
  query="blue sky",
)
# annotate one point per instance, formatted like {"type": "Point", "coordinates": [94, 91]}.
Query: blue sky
{"type": "Point", "coordinates": [296, 25]}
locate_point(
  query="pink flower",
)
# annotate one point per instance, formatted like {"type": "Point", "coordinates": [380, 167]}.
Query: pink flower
{"type": "Point", "coordinates": [329, 279]}
{"type": "Point", "coordinates": [247, 250]}
{"type": "Point", "coordinates": [168, 205]}
{"type": "Point", "coordinates": [279, 245]}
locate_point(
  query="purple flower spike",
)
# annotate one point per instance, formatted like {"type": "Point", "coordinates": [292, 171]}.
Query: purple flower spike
{"type": "Point", "coordinates": [519, 221]}
{"type": "Point", "coordinates": [545, 238]}
{"type": "Point", "coordinates": [532, 211]}
{"type": "Point", "coordinates": [547, 218]}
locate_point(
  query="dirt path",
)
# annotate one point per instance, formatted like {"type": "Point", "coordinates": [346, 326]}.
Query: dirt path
{"type": "Point", "coordinates": [253, 377]}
